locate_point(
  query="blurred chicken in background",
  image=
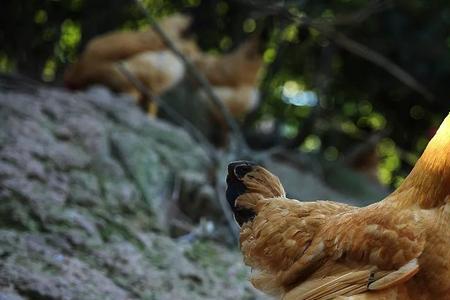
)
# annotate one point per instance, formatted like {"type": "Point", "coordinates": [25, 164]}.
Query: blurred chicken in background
{"type": "Point", "coordinates": [238, 68]}
{"type": "Point", "coordinates": [233, 76]}
{"type": "Point", "coordinates": [144, 54]}
{"type": "Point", "coordinates": [234, 79]}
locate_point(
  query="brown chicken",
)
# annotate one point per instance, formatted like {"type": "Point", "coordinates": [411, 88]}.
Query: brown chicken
{"type": "Point", "coordinates": [144, 54]}
{"type": "Point", "coordinates": [237, 68]}
{"type": "Point", "coordinates": [238, 100]}
{"type": "Point", "coordinates": [234, 79]}
{"type": "Point", "coordinates": [398, 248]}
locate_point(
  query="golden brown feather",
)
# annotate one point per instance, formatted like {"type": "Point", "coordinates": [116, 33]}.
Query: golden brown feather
{"type": "Point", "coordinates": [397, 248]}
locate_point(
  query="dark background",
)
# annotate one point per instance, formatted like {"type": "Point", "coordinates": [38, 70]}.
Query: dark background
{"type": "Point", "coordinates": [377, 67]}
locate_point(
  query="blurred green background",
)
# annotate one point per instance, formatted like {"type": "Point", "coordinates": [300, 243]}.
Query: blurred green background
{"type": "Point", "coordinates": [337, 73]}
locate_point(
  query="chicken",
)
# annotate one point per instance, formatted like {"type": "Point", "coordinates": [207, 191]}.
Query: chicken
{"type": "Point", "coordinates": [123, 44]}
{"type": "Point", "coordinates": [233, 78]}
{"type": "Point", "coordinates": [238, 100]}
{"type": "Point", "coordinates": [238, 68]}
{"type": "Point", "coordinates": [398, 248]}
{"type": "Point", "coordinates": [144, 54]}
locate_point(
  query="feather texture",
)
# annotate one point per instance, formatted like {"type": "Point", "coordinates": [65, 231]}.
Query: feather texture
{"type": "Point", "coordinates": [397, 248]}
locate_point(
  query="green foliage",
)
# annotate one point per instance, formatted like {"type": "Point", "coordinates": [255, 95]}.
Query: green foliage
{"type": "Point", "coordinates": [315, 81]}
{"type": "Point", "coordinates": [69, 40]}
{"type": "Point", "coordinates": [6, 65]}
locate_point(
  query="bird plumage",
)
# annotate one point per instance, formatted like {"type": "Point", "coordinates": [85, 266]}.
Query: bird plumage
{"type": "Point", "coordinates": [397, 248]}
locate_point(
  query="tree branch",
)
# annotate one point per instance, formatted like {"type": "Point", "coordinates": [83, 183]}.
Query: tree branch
{"type": "Point", "coordinates": [383, 62]}
{"type": "Point", "coordinates": [373, 7]}
{"type": "Point", "coordinates": [366, 53]}
{"type": "Point", "coordinates": [231, 122]}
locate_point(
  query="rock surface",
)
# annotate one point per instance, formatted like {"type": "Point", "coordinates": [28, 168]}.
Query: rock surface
{"type": "Point", "coordinates": [84, 186]}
